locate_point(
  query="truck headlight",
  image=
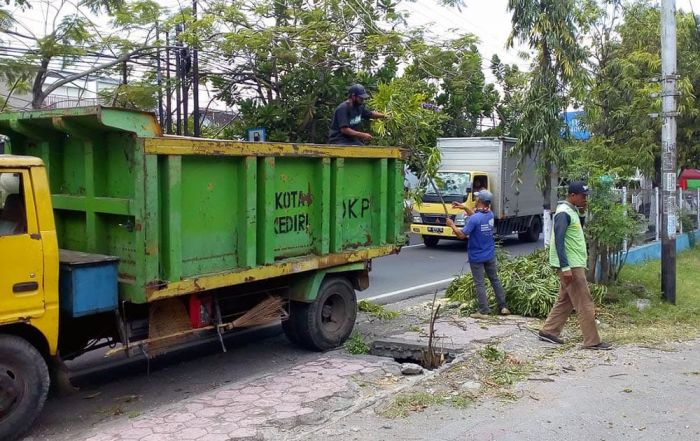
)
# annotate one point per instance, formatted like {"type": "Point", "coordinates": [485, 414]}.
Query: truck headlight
{"type": "Point", "coordinates": [417, 219]}
{"type": "Point", "coordinates": [459, 220]}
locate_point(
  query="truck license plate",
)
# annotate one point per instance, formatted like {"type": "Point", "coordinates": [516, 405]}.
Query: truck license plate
{"type": "Point", "coordinates": [434, 229]}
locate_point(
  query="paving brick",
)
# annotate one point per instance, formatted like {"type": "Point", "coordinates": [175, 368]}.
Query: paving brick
{"type": "Point", "coordinates": [267, 402]}
{"type": "Point", "coordinates": [191, 433]}
{"type": "Point", "coordinates": [243, 433]}
{"type": "Point", "coordinates": [160, 437]}
{"type": "Point", "coordinates": [252, 390]}
{"type": "Point", "coordinates": [166, 428]}
{"type": "Point", "coordinates": [135, 433]}
{"type": "Point", "coordinates": [102, 437]}
{"type": "Point", "coordinates": [222, 428]}
{"type": "Point", "coordinates": [146, 422]}
{"type": "Point", "coordinates": [248, 398]}
{"type": "Point", "coordinates": [210, 412]}
{"type": "Point", "coordinates": [179, 417]}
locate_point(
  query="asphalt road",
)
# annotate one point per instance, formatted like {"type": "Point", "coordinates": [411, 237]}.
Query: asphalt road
{"type": "Point", "coordinates": [419, 270]}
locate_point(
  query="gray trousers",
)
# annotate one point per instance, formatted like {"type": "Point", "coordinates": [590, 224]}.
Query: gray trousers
{"type": "Point", "coordinates": [478, 270]}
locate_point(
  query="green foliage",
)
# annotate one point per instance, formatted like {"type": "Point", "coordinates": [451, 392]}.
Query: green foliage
{"type": "Point", "coordinates": [492, 354]}
{"type": "Point", "coordinates": [377, 311]}
{"type": "Point", "coordinates": [530, 283]}
{"type": "Point", "coordinates": [356, 345]}
{"type": "Point", "coordinates": [512, 83]}
{"type": "Point", "coordinates": [624, 55]}
{"type": "Point", "coordinates": [549, 27]}
{"type": "Point", "coordinates": [408, 402]}
{"type": "Point", "coordinates": [452, 70]}
{"type": "Point", "coordinates": [69, 37]}
{"type": "Point", "coordinates": [610, 224]}
{"type": "Point", "coordinates": [137, 95]}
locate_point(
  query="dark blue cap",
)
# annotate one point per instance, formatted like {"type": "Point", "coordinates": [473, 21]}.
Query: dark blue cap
{"type": "Point", "coordinates": [578, 187]}
{"type": "Point", "coordinates": [359, 90]}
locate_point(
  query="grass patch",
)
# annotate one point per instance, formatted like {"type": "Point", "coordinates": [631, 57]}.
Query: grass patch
{"type": "Point", "coordinates": [377, 311]}
{"type": "Point", "coordinates": [503, 369]}
{"type": "Point", "coordinates": [405, 403]}
{"type": "Point", "coordinates": [356, 345]}
{"type": "Point", "coordinates": [660, 322]}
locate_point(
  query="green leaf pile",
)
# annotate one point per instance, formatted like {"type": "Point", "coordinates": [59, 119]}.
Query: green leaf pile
{"type": "Point", "coordinates": [530, 283]}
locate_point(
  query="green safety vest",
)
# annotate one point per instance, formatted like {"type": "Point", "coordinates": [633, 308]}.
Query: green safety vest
{"type": "Point", "coordinates": [574, 242]}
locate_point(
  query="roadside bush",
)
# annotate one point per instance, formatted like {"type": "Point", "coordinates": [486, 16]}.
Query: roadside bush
{"type": "Point", "coordinates": [530, 283]}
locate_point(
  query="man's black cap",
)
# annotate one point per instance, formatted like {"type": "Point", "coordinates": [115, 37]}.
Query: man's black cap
{"type": "Point", "coordinates": [578, 187]}
{"type": "Point", "coordinates": [359, 90]}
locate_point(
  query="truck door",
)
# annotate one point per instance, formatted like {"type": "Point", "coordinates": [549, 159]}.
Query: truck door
{"type": "Point", "coordinates": [480, 182]}
{"type": "Point", "coordinates": [21, 253]}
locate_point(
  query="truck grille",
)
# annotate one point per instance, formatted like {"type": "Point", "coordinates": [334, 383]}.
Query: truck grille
{"type": "Point", "coordinates": [434, 219]}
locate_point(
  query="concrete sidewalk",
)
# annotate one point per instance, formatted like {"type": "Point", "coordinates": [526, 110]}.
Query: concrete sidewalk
{"type": "Point", "coordinates": [629, 393]}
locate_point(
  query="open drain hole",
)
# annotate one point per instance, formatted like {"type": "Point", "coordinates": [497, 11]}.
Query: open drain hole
{"type": "Point", "coordinates": [408, 352]}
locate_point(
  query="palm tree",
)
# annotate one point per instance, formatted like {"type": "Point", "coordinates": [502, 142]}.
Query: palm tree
{"type": "Point", "coordinates": [550, 29]}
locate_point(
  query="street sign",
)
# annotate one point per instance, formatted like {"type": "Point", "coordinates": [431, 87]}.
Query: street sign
{"type": "Point", "coordinates": [258, 134]}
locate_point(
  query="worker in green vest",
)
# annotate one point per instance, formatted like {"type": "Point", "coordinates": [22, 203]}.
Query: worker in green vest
{"type": "Point", "coordinates": [568, 254]}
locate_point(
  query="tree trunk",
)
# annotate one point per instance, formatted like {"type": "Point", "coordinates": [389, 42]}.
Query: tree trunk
{"type": "Point", "coordinates": [605, 266]}
{"type": "Point", "coordinates": [547, 205]}
{"type": "Point", "coordinates": [38, 96]}
{"type": "Point", "coordinates": [592, 261]}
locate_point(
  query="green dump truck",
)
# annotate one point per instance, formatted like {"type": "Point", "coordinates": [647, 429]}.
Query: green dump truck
{"type": "Point", "coordinates": [111, 233]}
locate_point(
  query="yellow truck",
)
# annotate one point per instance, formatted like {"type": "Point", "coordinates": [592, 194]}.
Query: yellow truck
{"type": "Point", "coordinates": [112, 235]}
{"type": "Point", "coordinates": [472, 164]}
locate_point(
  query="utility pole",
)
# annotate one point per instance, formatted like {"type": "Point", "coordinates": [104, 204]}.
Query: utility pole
{"type": "Point", "coordinates": [168, 90]}
{"type": "Point", "coordinates": [668, 150]}
{"type": "Point", "coordinates": [159, 81]}
{"type": "Point", "coordinates": [195, 78]}
{"type": "Point", "coordinates": [178, 72]}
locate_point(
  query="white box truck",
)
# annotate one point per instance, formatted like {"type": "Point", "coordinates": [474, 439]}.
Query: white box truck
{"type": "Point", "coordinates": [469, 165]}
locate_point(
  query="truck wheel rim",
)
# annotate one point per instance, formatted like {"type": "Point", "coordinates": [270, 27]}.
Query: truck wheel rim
{"type": "Point", "coordinates": [11, 388]}
{"type": "Point", "coordinates": [332, 313]}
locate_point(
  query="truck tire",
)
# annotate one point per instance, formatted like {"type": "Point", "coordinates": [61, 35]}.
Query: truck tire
{"type": "Point", "coordinates": [289, 326]}
{"type": "Point", "coordinates": [24, 385]}
{"type": "Point", "coordinates": [431, 241]}
{"type": "Point", "coordinates": [533, 231]}
{"type": "Point", "coordinates": [326, 322]}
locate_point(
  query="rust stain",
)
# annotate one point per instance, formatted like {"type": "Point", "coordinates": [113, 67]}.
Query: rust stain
{"type": "Point", "coordinates": [283, 178]}
{"type": "Point", "coordinates": [250, 279]}
{"type": "Point", "coordinates": [210, 186]}
{"type": "Point", "coordinates": [197, 286]}
{"type": "Point", "coordinates": [306, 198]}
{"type": "Point", "coordinates": [137, 227]}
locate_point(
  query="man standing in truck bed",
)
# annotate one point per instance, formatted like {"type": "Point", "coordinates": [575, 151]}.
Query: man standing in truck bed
{"type": "Point", "coordinates": [569, 256]}
{"type": "Point", "coordinates": [349, 115]}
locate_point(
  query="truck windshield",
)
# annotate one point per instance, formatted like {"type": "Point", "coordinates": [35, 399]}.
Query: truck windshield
{"type": "Point", "coordinates": [450, 184]}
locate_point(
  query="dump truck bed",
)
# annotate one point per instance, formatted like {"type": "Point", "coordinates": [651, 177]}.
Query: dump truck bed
{"type": "Point", "coordinates": [186, 215]}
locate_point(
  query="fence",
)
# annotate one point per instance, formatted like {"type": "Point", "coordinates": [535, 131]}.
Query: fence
{"type": "Point", "coordinates": [646, 202]}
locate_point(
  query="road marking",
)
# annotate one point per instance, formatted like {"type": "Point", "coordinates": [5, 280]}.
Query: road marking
{"type": "Point", "coordinates": [405, 290]}
{"type": "Point", "coordinates": [413, 246]}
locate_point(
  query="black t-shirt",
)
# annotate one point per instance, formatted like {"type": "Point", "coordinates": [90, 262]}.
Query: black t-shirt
{"type": "Point", "coordinates": [347, 115]}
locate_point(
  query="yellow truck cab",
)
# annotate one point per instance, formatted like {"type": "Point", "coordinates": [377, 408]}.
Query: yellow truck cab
{"type": "Point", "coordinates": [428, 218]}
{"type": "Point", "coordinates": [472, 164]}
{"type": "Point", "coordinates": [28, 289]}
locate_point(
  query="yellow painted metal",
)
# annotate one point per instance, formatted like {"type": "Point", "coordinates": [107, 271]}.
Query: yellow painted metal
{"type": "Point", "coordinates": [31, 257]}
{"type": "Point", "coordinates": [290, 266]}
{"type": "Point", "coordinates": [171, 145]}
{"type": "Point", "coordinates": [423, 231]}
{"type": "Point", "coordinates": [20, 161]}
